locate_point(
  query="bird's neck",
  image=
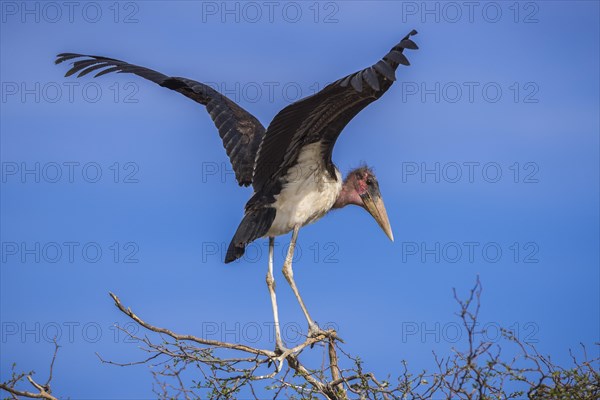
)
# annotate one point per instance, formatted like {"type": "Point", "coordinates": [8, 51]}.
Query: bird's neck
{"type": "Point", "coordinates": [347, 196]}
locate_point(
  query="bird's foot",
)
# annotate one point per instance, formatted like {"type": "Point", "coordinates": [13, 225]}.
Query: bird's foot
{"type": "Point", "coordinates": [315, 330]}
{"type": "Point", "coordinates": [281, 352]}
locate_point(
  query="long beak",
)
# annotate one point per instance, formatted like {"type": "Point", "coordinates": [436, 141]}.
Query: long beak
{"type": "Point", "coordinates": [374, 205]}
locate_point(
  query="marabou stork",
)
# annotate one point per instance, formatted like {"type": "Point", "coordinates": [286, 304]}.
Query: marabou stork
{"type": "Point", "coordinates": [288, 164]}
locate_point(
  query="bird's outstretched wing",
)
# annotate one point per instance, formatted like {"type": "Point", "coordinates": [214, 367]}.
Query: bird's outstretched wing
{"type": "Point", "coordinates": [322, 116]}
{"type": "Point", "coordinates": [240, 131]}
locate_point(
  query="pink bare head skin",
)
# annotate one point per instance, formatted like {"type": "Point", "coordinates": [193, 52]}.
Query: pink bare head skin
{"type": "Point", "coordinates": [357, 182]}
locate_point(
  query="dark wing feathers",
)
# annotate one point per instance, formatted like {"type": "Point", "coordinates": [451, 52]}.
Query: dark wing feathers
{"type": "Point", "coordinates": [371, 78]}
{"type": "Point", "coordinates": [397, 57]}
{"type": "Point", "coordinates": [357, 83]}
{"type": "Point", "coordinates": [386, 70]}
{"type": "Point", "coordinates": [409, 44]}
{"type": "Point", "coordinates": [321, 117]}
{"type": "Point", "coordinates": [240, 131]}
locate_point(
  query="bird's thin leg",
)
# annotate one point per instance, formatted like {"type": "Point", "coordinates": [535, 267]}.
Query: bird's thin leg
{"type": "Point", "coordinates": [271, 285]}
{"type": "Point", "coordinates": [313, 328]}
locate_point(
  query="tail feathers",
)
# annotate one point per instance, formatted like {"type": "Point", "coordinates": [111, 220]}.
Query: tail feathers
{"type": "Point", "coordinates": [256, 224]}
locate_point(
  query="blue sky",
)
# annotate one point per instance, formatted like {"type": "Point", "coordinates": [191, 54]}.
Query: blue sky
{"type": "Point", "coordinates": [486, 150]}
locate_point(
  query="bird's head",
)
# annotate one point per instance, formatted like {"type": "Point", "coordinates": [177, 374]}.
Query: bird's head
{"type": "Point", "coordinates": [362, 189]}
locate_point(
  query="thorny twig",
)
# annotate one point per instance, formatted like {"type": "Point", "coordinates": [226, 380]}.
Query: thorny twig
{"type": "Point", "coordinates": [44, 391]}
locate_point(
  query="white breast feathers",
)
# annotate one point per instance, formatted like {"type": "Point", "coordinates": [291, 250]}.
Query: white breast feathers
{"type": "Point", "coordinates": [308, 192]}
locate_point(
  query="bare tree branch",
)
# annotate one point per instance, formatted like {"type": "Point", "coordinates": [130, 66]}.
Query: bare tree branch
{"type": "Point", "coordinates": [190, 367]}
